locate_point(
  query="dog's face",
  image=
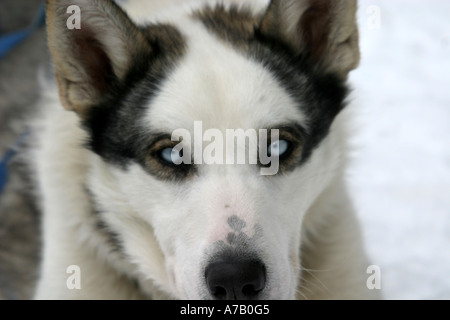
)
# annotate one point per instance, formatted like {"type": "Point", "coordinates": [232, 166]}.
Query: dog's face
{"type": "Point", "coordinates": [151, 97]}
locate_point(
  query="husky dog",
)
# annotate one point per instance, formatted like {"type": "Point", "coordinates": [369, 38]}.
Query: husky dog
{"type": "Point", "coordinates": [123, 220]}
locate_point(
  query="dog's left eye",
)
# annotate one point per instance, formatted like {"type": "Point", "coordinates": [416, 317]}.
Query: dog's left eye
{"type": "Point", "coordinates": [278, 148]}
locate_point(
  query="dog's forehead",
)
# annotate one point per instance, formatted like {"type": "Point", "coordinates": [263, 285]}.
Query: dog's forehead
{"type": "Point", "coordinates": [218, 84]}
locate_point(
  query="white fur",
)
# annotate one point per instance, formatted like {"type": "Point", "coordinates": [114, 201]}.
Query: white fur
{"type": "Point", "coordinates": [165, 228]}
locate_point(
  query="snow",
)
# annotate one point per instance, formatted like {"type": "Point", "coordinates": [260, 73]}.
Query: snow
{"type": "Point", "coordinates": [400, 177]}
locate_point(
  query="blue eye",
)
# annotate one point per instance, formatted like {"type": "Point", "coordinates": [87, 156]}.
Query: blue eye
{"type": "Point", "coordinates": [278, 148]}
{"type": "Point", "coordinates": [171, 155]}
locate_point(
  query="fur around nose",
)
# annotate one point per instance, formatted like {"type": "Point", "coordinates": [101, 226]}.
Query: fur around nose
{"type": "Point", "coordinates": [235, 280]}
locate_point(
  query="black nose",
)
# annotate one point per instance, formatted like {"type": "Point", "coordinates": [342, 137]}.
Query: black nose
{"type": "Point", "coordinates": [235, 280]}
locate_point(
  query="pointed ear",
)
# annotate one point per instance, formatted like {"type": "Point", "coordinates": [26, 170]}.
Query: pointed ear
{"type": "Point", "coordinates": [90, 60]}
{"type": "Point", "coordinates": [325, 30]}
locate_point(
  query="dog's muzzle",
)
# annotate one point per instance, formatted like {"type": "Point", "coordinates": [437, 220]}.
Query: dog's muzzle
{"type": "Point", "coordinates": [230, 279]}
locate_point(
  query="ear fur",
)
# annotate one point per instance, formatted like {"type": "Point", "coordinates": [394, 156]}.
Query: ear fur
{"type": "Point", "coordinates": [325, 30]}
{"type": "Point", "coordinates": [89, 60]}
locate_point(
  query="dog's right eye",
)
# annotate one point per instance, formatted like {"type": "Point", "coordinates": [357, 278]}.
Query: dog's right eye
{"type": "Point", "coordinates": [166, 159]}
{"type": "Point", "coordinates": [171, 156]}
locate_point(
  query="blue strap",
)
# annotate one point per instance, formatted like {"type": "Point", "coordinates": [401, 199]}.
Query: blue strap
{"type": "Point", "coordinates": [4, 168]}
{"type": "Point", "coordinates": [8, 156]}
{"type": "Point", "coordinates": [9, 41]}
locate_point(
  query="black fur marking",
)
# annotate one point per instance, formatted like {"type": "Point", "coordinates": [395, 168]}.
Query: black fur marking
{"type": "Point", "coordinates": [114, 124]}
{"type": "Point", "coordinates": [112, 239]}
{"type": "Point", "coordinates": [237, 243]}
{"type": "Point", "coordinates": [320, 95]}
{"type": "Point", "coordinates": [236, 237]}
{"type": "Point", "coordinates": [116, 133]}
{"type": "Point", "coordinates": [236, 224]}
